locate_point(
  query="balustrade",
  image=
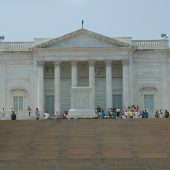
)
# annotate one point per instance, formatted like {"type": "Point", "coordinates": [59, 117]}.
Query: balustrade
{"type": "Point", "coordinates": [151, 44]}
{"type": "Point", "coordinates": [15, 45]}
{"type": "Point", "coordinates": [141, 44]}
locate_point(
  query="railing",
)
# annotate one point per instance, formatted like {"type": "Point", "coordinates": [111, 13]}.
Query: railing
{"type": "Point", "coordinates": [10, 46]}
{"type": "Point", "coordinates": [141, 44]}
{"type": "Point", "coordinates": [151, 44]}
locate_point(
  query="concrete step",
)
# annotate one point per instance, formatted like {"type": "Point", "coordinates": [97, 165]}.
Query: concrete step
{"type": "Point", "coordinates": [85, 144]}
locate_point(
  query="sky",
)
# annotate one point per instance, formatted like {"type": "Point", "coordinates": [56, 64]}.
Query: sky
{"type": "Point", "coordinates": [24, 20]}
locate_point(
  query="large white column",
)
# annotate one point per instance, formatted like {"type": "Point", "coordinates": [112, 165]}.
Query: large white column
{"type": "Point", "coordinates": [131, 89]}
{"type": "Point", "coordinates": [125, 64]}
{"type": "Point", "coordinates": [40, 85]}
{"type": "Point", "coordinates": [73, 79]}
{"type": "Point", "coordinates": [3, 102]}
{"type": "Point", "coordinates": [108, 84]}
{"type": "Point", "coordinates": [164, 84]}
{"type": "Point", "coordinates": [3, 90]}
{"type": "Point", "coordinates": [57, 103]}
{"type": "Point", "coordinates": [74, 73]}
{"type": "Point", "coordinates": [92, 82]}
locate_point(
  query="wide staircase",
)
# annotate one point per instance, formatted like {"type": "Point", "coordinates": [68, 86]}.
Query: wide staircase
{"type": "Point", "coordinates": [85, 144]}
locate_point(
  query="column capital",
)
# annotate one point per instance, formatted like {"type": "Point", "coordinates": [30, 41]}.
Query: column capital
{"type": "Point", "coordinates": [125, 62]}
{"type": "Point", "coordinates": [91, 62]}
{"type": "Point", "coordinates": [57, 62]}
{"type": "Point", "coordinates": [108, 62]}
{"type": "Point", "coordinates": [40, 62]}
{"type": "Point", "coordinates": [74, 62]}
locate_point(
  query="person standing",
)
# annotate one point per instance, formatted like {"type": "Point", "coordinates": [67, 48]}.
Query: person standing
{"type": "Point", "coordinates": [3, 112]}
{"type": "Point", "coordinates": [136, 114]}
{"type": "Point", "coordinates": [29, 110]}
{"type": "Point", "coordinates": [98, 111]}
{"type": "Point", "coordinates": [37, 114]}
{"type": "Point", "coordinates": [13, 116]}
{"type": "Point", "coordinates": [160, 114]}
{"type": "Point", "coordinates": [166, 114]}
{"type": "Point", "coordinates": [157, 114]}
{"type": "Point", "coordinates": [118, 112]}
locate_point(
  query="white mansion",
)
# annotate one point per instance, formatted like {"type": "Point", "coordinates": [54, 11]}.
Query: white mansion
{"type": "Point", "coordinates": [82, 70]}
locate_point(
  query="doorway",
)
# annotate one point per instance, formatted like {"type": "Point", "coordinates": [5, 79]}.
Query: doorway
{"type": "Point", "coordinates": [49, 104]}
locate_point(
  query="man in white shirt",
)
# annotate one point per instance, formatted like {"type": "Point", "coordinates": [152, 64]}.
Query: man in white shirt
{"type": "Point", "coordinates": [46, 115]}
{"type": "Point", "coordinates": [3, 112]}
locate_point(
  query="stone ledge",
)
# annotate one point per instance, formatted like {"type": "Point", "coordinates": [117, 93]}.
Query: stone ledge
{"type": "Point", "coordinates": [79, 113]}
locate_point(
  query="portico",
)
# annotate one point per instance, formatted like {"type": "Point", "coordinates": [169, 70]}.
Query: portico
{"type": "Point", "coordinates": [83, 96]}
{"type": "Point", "coordinates": [93, 86]}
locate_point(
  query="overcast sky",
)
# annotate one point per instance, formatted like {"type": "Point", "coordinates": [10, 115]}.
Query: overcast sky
{"type": "Point", "coordinates": [23, 20]}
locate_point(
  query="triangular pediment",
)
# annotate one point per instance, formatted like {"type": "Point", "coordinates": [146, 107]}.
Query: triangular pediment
{"type": "Point", "coordinates": [82, 39]}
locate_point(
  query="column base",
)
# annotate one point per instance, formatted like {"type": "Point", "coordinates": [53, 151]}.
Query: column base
{"type": "Point", "coordinates": [81, 113]}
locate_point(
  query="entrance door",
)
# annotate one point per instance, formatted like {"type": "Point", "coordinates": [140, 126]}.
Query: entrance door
{"type": "Point", "coordinates": [49, 104]}
{"type": "Point", "coordinates": [117, 101]}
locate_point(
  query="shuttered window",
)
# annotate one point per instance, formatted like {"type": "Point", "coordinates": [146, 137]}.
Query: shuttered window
{"type": "Point", "coordinates": [18, 103]}
{"type": "Point", "coordinates": [149, 101]}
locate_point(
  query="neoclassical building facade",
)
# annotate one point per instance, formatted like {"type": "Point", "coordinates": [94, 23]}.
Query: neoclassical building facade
{"type": "Point", "coordinates": [82, 70]}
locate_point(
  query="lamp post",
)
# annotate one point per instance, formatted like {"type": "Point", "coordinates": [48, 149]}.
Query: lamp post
{"type": "Point", "coordinates": [2, 38]}
{"type": "Point", "coordinates": [82, 22]}
{"type": "Point", "coordinates": [165, 36]}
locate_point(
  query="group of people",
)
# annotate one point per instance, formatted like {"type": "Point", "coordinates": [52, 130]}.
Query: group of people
{"type": "Point", "coordinates": [112, 113]}
{"type": "Point", "coordinates": [37, 114]}
{"type": "Point", "coordinates": [161, 114]}
{"type": "Point", "coordinates": [134, 111]}
{"type": "Point", "coordinates": [129, 112]}
{"type": "Point", "coordinates": [47, 115]}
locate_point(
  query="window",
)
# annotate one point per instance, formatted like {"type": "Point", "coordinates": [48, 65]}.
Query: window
{"type": "Point", "coordinates": [117, 101]}
{"type": "Point", "coordinates": [18, 103]}
{"type": "Point", "coordinates": [149, 101]}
